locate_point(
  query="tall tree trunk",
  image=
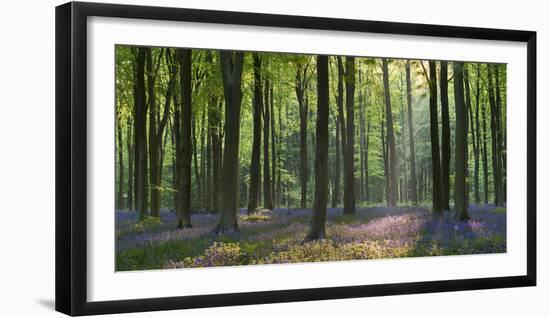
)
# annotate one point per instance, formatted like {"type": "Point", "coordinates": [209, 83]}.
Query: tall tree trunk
{"type": "Point", "coordinates": [273, 150]}
{"type": "Point", "coordinates": [404, 188]}
{"type": "Point", "coordinates": [341, 121]}
{"type": "Point", "coordinates": [321, 151]}
{"type": "Point", "coordinates": [153, 147]}
{"type": "Point", "coordinates": [177, 152]}
{"type": "Point", "coordinates": [500, 140]}
{"type": "Point", "coordinates": [198, 179]}
{"type": "Point", "coordinates": [255, 160]}
{"type": "Point", "coordinates": [414, 196]}
{"type": "Point", "coordinates": [461, 144]}
{"type": "Point", "coordinates": [120, 148]}
{"type": "Point", "coordinates": [361, 145]}
{"type": "Point", "coordinates": [484, 153]}
{"type": "Point", "coordinates": [279, 156]}
{"type": "Point", "coordinates": [300, 87]}
{"type": "Point", "coordinates": [268, 203]}
{"type": "Point", "coordinates": [367, 195]}
{"type": "Point", "coordinates": [421, 196]}
{"type": "Point", "coordinates": [349, 191]}
{"type": "Point", "coordinates": [209, 180]}
{"type": "Point", "coordinates": [141, 135]}
{"type": "Point", "coordinates": [385, 160]}
{"type": "Point", "coordinates": [232, 66]}
{"type": "Point", "coordinates": [477, 139]}
{"type": "Point", "coordinates": [494, 137]}
{"type": "Point", "coordinates": [471, 126]}
{"type": "Point", "coordinates": [216, 152]}
{"type": "Point", "coordinates": [204, 194]}
{"type": "Point", "coordinates": [445, 137]}
{"type": "Point", "coordinates": [130, 150]}
{"type": "Point", "coordinates": [434, 136]}
{"type": "Point", "coordinates": [390, 140]}
{"type": "Point", "coordinates": [185, 152]}
{"type": "Point", "coordinates": [337, 164]}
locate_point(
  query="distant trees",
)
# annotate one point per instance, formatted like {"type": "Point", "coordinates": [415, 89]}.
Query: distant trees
{"type": "Point", "coordinates": [301, 83]}
{"type": "Point", "coordinates": [216, 131]}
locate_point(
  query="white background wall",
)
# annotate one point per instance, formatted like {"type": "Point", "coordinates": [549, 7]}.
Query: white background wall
{"type": "Point", "coordinates": [27, 158]}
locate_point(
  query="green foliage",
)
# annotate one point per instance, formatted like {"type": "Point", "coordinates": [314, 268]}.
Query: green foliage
{"type": "Point", "coordinates": [499, 210]}
{"type": "Point", "coordinates": [260, 215]}
{"type": "Point", "coordinates": [149, 222]}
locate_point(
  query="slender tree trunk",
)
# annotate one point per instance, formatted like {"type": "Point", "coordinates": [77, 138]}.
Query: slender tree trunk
{"type": "Point", "coordinates": [130, 149]}
{"type": "Point", "coordinates": [461, 144]}
{"type": "Point", "coordinates": [232, 66]}
{"type": "Point", "coordinates": [421, 196]}
{"type": "Point", "coordinates": [362, 146]}
{"type": "Point", "coordinates": [367, 195]}
{"type": "Point", "coordinates": [198, 179]}
{"type": "Point", "coordinates": [341, 121]}
{"type": "Point", "coordinates": [414, 196]}
{"type": "Point", "coordinates": [141, 135]}
{"type": "Point", "coordinates": [494, 137]}
{"type": "Point", "coordinates": [434, 136]}
{"type": "Point", "coordinates": [268, 204]}
{"type": "Point", "coordinates": [273, 150]}
{"type": "Point", "coordinates": [445, 137]}
{"type": "Point", "coordinates": [279, 156]}
{"type": "Point", "coordinates": [501, 157]}
{"type": "Point", "coordinates": [390, 140]}
{"type": "Point", "coordinates": [204, 194]}
{"type": "Point", "coordinates": [387, 191]}
{"type": "Point", "coordinates": [300, 87]}
{"type": "Point", "coordinates": [153, 147]}
{"type": "Point", "coordinates": [177, 153]}
{"type": "Point", "coordinates": [471, 126]}
{"type": "Point", "coordinates": [209, 180]}
{"type": "Point", "coordinates": [349, 191]}
{"type": "Point", "coordinates": [337, 164]}
{"type": "Point", "coordinates": [120, 148]}
{"type": "Point", "coordinates": [321, 151]}
{"type": "Point", "coordinates": [185, 152]}
{"type": "Point", "coordinates": [404, 188]}
{"type": "Point", "coordinates": [255, 160]}
{"type": "Point", "coordinates": [477, 140]}
{"type": "Point", "coordinates": [484, 153]}
{"type": "Point", "coordinates": [216, 153]}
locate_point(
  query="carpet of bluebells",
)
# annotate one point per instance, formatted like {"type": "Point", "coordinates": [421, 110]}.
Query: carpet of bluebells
{"type": "Point", "coordinates": [279, 236]}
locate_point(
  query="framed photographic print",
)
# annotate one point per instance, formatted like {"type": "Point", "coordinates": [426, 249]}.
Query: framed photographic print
{"type": "Point", "coordinates": [208, 158]}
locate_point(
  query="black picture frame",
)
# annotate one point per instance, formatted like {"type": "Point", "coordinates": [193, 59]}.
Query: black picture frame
{"type": "Point", "coordinates": [71, 157]}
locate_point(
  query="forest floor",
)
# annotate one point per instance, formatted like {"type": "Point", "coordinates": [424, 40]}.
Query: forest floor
{"type": "Point", "coordinates": [279, 236]}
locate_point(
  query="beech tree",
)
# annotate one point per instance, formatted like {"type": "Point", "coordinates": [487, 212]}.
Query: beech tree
{"type": "Point", "coordinates": [321, 151]}
{"type": "Point", "coordinates": [461, 145]}
{"type": "Point", "coordinates": [232, 67]}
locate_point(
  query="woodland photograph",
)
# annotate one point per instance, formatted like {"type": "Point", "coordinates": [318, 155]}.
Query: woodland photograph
{"type": "Point", "coordinates": [228, 158]}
